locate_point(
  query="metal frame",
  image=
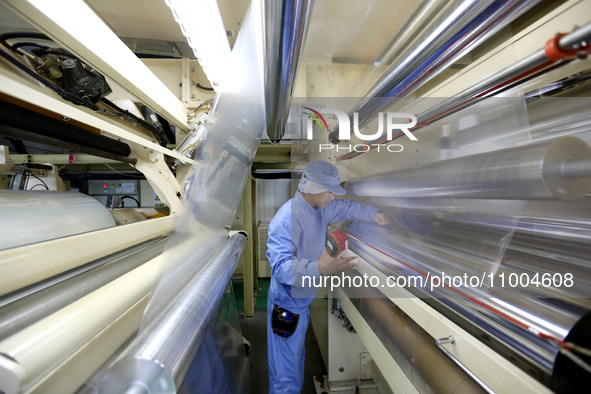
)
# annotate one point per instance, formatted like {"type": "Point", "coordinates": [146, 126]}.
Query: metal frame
{"type": "Point", "coordinates": [248, 224]}
{"type": "Point", "coordinates": [16, 86]}
{"type": "Point", "coordinates": [393, 374]}
{"type": "Point", "coordinates": [61, 159]}
{"type": "Point", "coordinates": [495, 371]}
{"type": "Point", "coordinates": [46, 342]}
{"type": "Point", "coordinates": [20, 266]}
{"type": "Point", "coordinates": [77, 368]}
{"type": "Point", "coordinates": [149, 154]}
{"type": "Point", "coordinates": [96, 337]}
{"type": "Point", "coordinates": [92, 40]}
{"type": "Point", "coordinates": [348, 358]}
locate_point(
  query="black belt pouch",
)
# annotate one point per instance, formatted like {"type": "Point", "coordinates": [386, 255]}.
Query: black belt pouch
{"type": "Point", "coordinates": [283, 322]}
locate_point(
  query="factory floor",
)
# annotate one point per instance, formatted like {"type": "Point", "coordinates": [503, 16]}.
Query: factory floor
{"type": "Point", "coordinates": [255, 331]}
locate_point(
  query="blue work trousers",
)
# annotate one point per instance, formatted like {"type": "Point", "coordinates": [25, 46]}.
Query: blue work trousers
{"type": "Point", "coordinates": [286, 356]}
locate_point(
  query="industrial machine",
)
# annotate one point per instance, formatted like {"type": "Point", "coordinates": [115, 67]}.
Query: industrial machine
{"type": "Point", "coordinates": [480, 188]}
{"type": "Point", "coordinates": [96, 291]}
{"type": "Point", "coordinates": [466, 121]}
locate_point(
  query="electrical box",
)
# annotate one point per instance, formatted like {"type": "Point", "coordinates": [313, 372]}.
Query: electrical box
{"type": "Point", "coordinates": [112, 187]}
{"type": "Point", "coordinates": [115, 193]}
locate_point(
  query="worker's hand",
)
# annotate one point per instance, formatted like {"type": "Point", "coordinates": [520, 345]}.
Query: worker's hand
{"type": "Point", "coordinates": [381, 218]}
{"type": "Point", "coordinates": [329, 265]}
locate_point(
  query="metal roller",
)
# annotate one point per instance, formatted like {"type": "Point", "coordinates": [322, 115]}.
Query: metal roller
{"type": "Point", "coordinates": [538, 171]}
{"type": "Point", "coordinates": [35, 216]}
{"type": "Point", "coordinates": [452, 32]}
{"type": "Point", "coordinates": [47, 298]}
{"type": "Point", "coordinates": [506, 318]}
{"type": "Point", "coordinates": [157, 360]}
{"type": "Point", "coordinates": [411, 346]}
{"type": "Point", "coordinates": [35, 351]}
{"type": "Point", "coordinates": [507, 77]}
{"type": "Point", "coordinates": [286, 27]}
{"type": "Point", "coordinates": [504, 244]}
{"type": "Point", "coordinates": [417, 23]}
{"type": "Point", "coordinates": [36, 127]}
{"type": "Point", "coordinates": [532, 65]}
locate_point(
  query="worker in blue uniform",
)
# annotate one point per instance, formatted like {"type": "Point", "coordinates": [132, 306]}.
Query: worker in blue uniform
{"type": "Point", "coordinates": [296, 249]}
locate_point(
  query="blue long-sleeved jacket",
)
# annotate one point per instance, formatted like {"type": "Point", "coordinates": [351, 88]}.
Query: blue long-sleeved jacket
{"type": "Point", "coordinates": [296, 239]}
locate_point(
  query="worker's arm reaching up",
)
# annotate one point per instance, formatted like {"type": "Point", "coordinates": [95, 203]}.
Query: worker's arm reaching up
{"type": "Point", "coordinates": [341, 210]}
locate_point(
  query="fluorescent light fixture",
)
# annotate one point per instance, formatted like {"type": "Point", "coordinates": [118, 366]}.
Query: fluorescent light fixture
{"type": "Point", "coordinates": [201, 23]}
{"type": "Point", "coordinates": [80, 30]}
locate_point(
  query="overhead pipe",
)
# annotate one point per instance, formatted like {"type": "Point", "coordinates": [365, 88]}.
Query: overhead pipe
{"type": "Point", "coordinates": [528, 172]}
{"type": "Point", "coordinates": [159, 358]}
{"type": "Point", "coordinates": [276, 174]}
{"type": "Point", "coordinates": [457, 30]}
{"type": "Point", "coordinates": [557, 51]}
{"type": "Point", "coordinates": [285, 28]}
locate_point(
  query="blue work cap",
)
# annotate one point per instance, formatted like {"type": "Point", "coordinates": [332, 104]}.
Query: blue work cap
{"type": "Point", "coordinates": [324, 174]}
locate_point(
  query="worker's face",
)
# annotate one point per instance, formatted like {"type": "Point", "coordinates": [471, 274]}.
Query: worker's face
{"type": "Point", "coordinates": [322, 199]}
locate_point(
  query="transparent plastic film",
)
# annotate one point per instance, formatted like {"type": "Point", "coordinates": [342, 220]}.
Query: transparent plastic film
{"type": "Point", "coordinates": [483, 230]}
{"type": "Point", "coordinates": [31, 216]}
{"type": "Point", "coordinates": [169, 343]}
{"type": "Point", "coordinates": [489, 257]}
{"type": "Point", "coordinates": [485, 177]}
{"type": "Point", "coordinates": [214, 186]}
{"type": "Point", "coordinates": [222, 351]}
{"type": "Point", "coordinates": [199, 256]}
{"type": "Point", "coordinates": [328, 128]}
{"type": "Point", "coordinates": [530, 315]}
{"type": "Point", "coordinates": [199, 260]}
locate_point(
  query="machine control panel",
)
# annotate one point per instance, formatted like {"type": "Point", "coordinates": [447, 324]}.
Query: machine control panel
{"type": "Point", "coordinates": [112, 187]}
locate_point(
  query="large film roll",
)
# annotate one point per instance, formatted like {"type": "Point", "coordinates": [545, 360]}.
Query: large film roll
{"type": "Point", "coordinates": [540, 171]}
{"type": "Point", "coordinates": [159, 357]}
{"type": "Point", "coordinates": [34, 216]}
